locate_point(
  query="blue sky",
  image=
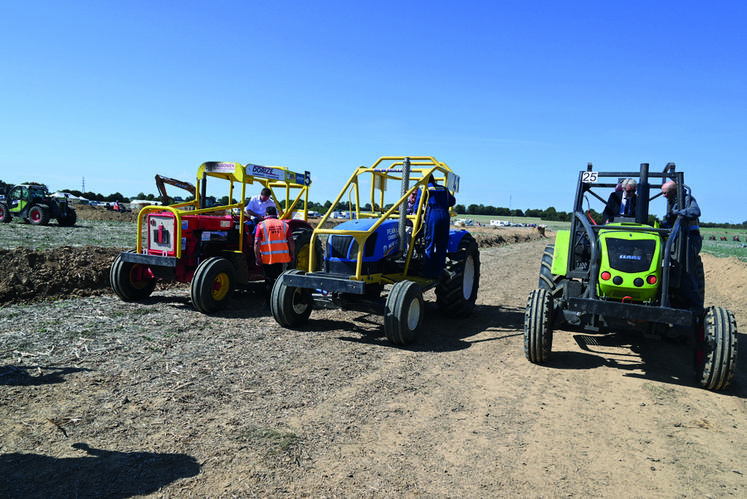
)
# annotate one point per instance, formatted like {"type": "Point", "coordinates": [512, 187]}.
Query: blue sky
{"type": "Point", "coordinates": [516, 97]}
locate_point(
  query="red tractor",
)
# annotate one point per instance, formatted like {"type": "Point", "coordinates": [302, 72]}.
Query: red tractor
{"type": "Point", "coordinates": [212, 247]}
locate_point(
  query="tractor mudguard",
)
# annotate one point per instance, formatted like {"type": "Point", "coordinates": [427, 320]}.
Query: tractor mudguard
{"type": "Point", "coordinates": [560, 258]}
{"type": "Point", "coordinates": [455, 237]}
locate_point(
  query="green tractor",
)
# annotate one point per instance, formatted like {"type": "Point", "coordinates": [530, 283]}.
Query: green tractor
{"type": "Point", "coordinates": [627, 275]}
{"type": "Point", "coordinates": [31, 202]}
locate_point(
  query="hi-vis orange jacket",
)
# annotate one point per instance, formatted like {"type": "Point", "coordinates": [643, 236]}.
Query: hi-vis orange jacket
{"type": "Point", "coordinates": [274, 243]}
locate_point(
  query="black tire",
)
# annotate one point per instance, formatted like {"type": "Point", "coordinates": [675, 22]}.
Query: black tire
{"type": "Point", "coordinates": [213, 284]}
{"type": "Point", "coordinates": [538, 326]}
{"type": "Point", "coordinates": [5, 216]}
{"type": "Point", "coordinates": [456, 295]}
{"type": "Point", "coordinates": [405, 309]}
{"type": "Point", "coordinates": [290, 306]}
{"type": "Point", "coordinates": [39, 214]}
{"type": "Point", "coordinates": [69, 219]}
{"type": "Point", "coordinates": [548, 280]}
{"type": "Point", "coordinates": [716, 349]}
{"type": "Point", "coordinates": [302, 243]}
{"type": "Point", "coordinates": [700, 276]}
{"type": "Point", "coordinates": [127, 281]}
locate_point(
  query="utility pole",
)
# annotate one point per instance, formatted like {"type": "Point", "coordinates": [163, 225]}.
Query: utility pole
{"type": "Point", "coordinates": [83, 186]}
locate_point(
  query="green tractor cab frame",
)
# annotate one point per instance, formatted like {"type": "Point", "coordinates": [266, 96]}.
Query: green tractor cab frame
{"type": "Point", "coordinates": [33, 203]}
{"type": "Point", "coordinates": [627, 275]}
{"type": "Point", "coordinates": [212, 247]}
{"type": "Point", "coordinates": [381, 247]}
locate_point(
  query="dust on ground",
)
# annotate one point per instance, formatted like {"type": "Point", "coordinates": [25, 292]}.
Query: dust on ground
{"type": "Point", "coordinates": [104, 398]}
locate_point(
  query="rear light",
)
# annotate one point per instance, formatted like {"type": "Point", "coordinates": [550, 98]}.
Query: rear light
{"type": "Point", "coordinates": [606, 276]}
{"type": "Point", "coordinates": [651, 279]}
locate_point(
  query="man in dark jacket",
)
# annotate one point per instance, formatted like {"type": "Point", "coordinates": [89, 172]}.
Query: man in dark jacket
{"type": "Point", "coordinates": [621, 203]}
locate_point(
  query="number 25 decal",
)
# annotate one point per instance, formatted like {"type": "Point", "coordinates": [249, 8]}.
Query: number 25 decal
{"type": "Point", "coordinates": [589, 177]}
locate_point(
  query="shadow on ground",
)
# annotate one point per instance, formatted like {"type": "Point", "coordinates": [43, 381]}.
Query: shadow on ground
{"type": "Point", "coordinates": [97, 473]}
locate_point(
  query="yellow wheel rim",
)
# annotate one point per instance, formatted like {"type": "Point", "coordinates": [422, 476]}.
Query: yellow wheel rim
{"type": "Point", "coordinates": [220, 287]}
{"type": "Point", "coordinates": [302, 259]}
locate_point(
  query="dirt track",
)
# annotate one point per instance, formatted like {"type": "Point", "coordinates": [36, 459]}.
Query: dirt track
{"type": "Point", "coordinates": [104, 398]}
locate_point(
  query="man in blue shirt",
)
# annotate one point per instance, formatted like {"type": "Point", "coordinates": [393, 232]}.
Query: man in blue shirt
{"type": "Point", "coordinates": [436, 228]}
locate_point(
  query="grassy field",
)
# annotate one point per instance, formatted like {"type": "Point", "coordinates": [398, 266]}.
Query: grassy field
{"type": "Point", "coordinates": [115, 234]}
{"type": "Point", "coordinates": [717, 248]}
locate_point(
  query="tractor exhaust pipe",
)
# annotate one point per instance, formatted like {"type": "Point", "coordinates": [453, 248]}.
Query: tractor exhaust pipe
{"type": "Point", "coordinates": [641, 212]}
{"type": "Point", "coordinates": [403, 206]}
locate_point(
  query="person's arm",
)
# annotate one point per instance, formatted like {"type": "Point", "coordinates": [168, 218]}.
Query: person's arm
{"type": "Point", "coordinates": [257, 245]}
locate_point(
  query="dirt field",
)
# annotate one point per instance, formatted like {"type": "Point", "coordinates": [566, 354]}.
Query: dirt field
{"type": "Point", "coordinates": [101, 398]}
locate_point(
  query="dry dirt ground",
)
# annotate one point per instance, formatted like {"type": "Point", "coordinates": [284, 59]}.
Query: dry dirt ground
{"type": "Point", "coordinates": [101, 398]}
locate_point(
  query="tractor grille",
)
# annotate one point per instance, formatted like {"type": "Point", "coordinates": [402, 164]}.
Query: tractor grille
{"type": "Point", "coordinates": [630, 256]}
{"type": "Point", "coordinates": [340, 246]}
{"type": "Point", "coordinates": [161, 233]}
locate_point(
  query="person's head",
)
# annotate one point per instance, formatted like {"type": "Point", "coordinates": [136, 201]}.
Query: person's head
{"type": "Point", "coordinates": [413, 197]}
{"type": "Point", "coordinates": [669, 190]}
{"type": "Point", "coordinates": [271, 212]}
{"type": "Point", "coordinates": [265, 194]}
{"type": "Point", "coordinates": [629, 185]}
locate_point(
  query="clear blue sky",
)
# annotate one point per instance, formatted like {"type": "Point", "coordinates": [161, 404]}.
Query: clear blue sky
{"type": "Point", "coordinates": [516, 97]}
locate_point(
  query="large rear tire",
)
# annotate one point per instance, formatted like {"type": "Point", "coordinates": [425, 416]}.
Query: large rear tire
{"type": "Point", "coordinates": [302, 243]}
{"type": "Point", "coordinates": [128, 280]}
{"type": "Point", "coordinates": [213, 285]}
{"type": "Point", "coordinates": [538, 326]}
{"type": "Point", "coordinates": [716, 349]}
{"type": "Point", "coordinates": [290, 306]}
{"type": "Point", "coordinates": [456, 295]}
{"type": "Point", "coordinates": [5, 216]}
{"type": "Point", "coordinates": [404, 313]}
{"type": "Point", "coordinates": [39, 214]}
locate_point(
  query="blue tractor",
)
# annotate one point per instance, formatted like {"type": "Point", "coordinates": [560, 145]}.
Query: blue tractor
{"type": "Point", "coordinates": [374, 260]}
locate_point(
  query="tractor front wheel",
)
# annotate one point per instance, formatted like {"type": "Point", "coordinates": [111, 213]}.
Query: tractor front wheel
{"type": "Point", "coordinates": [404, 313]}
{"type": "Point", "coordinates": [213, 285]}
{"type": "Point", "coordinates": [69, 219]}
{"type": "Point", "coordinates": [538, 326]}
{"type": "Point", "coordinates": [39, 214]}
{"type": "Point", "coordinates": [716, 349]}
{"type": "Point", "coordinates": [129, 281]}
{"type": "Point", "coordinates": [290, 306]}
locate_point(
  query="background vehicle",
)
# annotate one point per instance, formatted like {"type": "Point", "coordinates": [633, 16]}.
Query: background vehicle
{"type": "Point", "coordinates": [626, 275]}
{"type": "Point", "coordinates": [211, 247]}
{"type": "Point", "coordinates": [381, 248]}
{"type": "Point", "coordinates": [31, 201]}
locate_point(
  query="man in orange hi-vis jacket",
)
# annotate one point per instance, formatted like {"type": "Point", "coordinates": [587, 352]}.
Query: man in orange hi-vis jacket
{"type": "Point", "coordinates": [273, 247]}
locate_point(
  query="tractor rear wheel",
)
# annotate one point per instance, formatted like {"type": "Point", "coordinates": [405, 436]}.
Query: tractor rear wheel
{"type": "Point", "coordinates": [290, 306]}
{"type": "Point", "coordinates": [538, 326]}
{"type": "Point", "coordinates": [302, 243]}
{"type": "Point", "coordinates": [404, 313]}
{"type": "Point", "coordinates": [716, 349]}
{"type": "Point", "coordinates": [69, 219]}
{"type": "Point", "coordinates": [5, 216]}
{"type": "Point", "coordinates": [456, 294]}
{"type": "Point", "coordinates": [39, 214]}
{"type": "Point", "coordinates": [213, 284]}
{"type": "Point", "coordinates": [128, 280]}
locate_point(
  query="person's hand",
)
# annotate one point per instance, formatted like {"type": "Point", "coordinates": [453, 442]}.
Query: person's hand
{"type": "Point", "coordinates": [677, 211]}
